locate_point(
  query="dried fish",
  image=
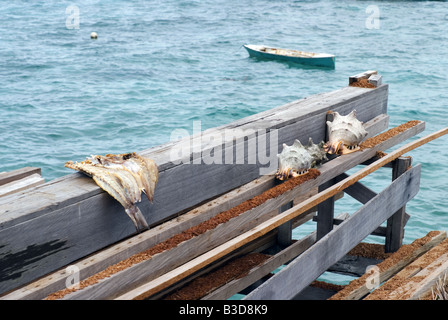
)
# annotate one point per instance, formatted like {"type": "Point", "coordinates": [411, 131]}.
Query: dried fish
{"type": "Point", "coordinates": [124, 177]}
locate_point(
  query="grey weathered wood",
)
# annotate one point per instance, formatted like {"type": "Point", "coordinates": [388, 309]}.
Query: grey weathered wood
{"type": "Point", "coordinates": [71, 217]}
{"type": "Point", "coordinates": [124, 249]}
{"type": "Point", "coordinates": [391, 266]}
{"type": "Point", "coordinates": [376, 79]}
{"type": "Point", "coordinates": [19, 180]}
{"type": "Point", "coordinates": [358, 191]}
{"type": "Point", "coordinates": [325, 212]}
{"type": "Point", "coordinates": [362, 75]}
{"type": "Point", "coordinates": [257, 273]}
{"type": "Point", "coordinates": [328, 171]}
{"type": "Point", "coordinates": [21, 184]}
{"type": "Point", "coordinates": [364, 194]}
{"type": "Point", "coordinates": [7, 177]}
{"type": "Point", "coordinates": [396, 223]}
{"type": "Point", "coordinates": [416, 277]}
{"type": "Point", "coordinates": [284, 233]}
{"type": "Point", "coordinates": [307, 267]}
{"type": "Point", "coordinates": [150, 288]}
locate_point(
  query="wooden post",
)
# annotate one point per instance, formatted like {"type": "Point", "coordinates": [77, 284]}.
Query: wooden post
{"type": "Point", "coordinates": [364, 75]}
{"type": "Point", "coordinates": [325, 212]}
{"type": "Point", "coordinates": [395, 224]}
{"type": "Point", "coordinates": [325, 209]}
{"type": "Point", "coordinates": [284, 235]}
{"type": "Point", "coordinates": [301, 271]}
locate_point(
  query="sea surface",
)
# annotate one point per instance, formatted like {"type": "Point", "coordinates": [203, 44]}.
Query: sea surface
{"type": "Point", "coordinates": [158, 66]}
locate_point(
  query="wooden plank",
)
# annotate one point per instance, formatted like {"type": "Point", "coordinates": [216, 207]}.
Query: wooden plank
{"type": "Point", "coordinates": [363, 75]}
{"type": "Point", "coordinates": [175, 275]}
{"type": "Point", "coordinates": [71, 217]}
{"type": "Point", "coordinates": [325, 212]}
{"type": "Point", "coordinates": [421, 283]}
{"type": "Point", "coordinates": [357, 289]}
{"type": "Point", "coordinates": [196, 264]}
{"type": "Point", "coordinates": [306, 268]}
{"type": "Point", "coordinates": [285, 119]}
{"type": "Point", "coordinates": [159, 264]}
{"type": "Point", "coordinates": [7, 177]}
{"type": "Point", "coordinates": [271, 264]}
{"type": "Point", "coordinates": [396, 223]}
{"type": "Point", "coordinates": [286, 277]}
{"type": "Point", "coordinates": [284, 234]}
{"type": "Point", "coordinates": [95, 263]}
{"type": "Point", "coordinates": [416, 278]}
{"type": "Point", "coordinates": [22, 184]}
{"type": "Point", "coordinates": [213, 237]}
{"type": "Point", "coordinates": [376, 80]}
{"type": "Point", "coordinates": [328, 170]}
{"type": "Point", "coordinates": [431, 276]}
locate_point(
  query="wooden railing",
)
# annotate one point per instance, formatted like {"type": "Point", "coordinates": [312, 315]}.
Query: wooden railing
{"type": "Point", "coordinates": [69, 218]}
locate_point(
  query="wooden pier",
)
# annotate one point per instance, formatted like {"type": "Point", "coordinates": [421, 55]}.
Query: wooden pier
{"type": "Point", "coordinates": [207, 216]}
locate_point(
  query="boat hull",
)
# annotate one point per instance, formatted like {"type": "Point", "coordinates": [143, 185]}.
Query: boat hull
{"type": "Point", "coordinates": [327, 61]}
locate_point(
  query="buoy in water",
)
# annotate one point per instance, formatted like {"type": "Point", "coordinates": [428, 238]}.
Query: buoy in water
{"type": "Point", "coordinates": [93, 35]}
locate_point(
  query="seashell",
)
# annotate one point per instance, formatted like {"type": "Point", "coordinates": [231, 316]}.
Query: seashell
{"type": "Point", "coordinates": [293, 161]}
{"type": "Point", "coordinates": [345, 134]}
{"type": "Point", "coordinates": [124, 177]}
{"type": "Point", "coordinates": [317, 152]}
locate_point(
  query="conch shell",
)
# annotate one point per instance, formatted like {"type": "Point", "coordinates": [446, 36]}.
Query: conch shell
{"type": "Point", "coordinates": [317, 152]}
{"type": "Point", "coordinates": [124, 177]}
{"type": "Point", "coordinates": [345, 134]}
{"type": "Point", "coordinates": [293, 161]}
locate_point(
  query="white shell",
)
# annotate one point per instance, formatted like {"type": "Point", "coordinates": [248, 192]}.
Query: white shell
{"type": "Point", "coordinates": [345, 133]}
{"type": "Point", "coordinates": [293, 160]}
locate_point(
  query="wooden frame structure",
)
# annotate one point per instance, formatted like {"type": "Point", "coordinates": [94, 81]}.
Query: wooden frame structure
{"type": "Point", "coordinates": [66, 221]}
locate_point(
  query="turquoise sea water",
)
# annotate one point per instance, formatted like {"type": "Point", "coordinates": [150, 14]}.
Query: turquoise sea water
{"type": "Point", "coordinates": [159, 65]}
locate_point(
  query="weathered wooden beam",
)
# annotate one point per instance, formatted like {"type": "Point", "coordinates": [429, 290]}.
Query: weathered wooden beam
{"type": "Point", "coordinates": [358, 191]}
{"type": "Point", "coordinates": [21, 184]}
{"type": "Point", "coordinates": [363, 75]}
{"type": "Point", "coordinates": [364, 194]}
{"type": "Point", "coordinates": [328, 171]}
{"type": "Point", "coordinates": [357, 289]}
{"type": "Point", "coordinates": [307, 267]}
{"type": "Point", "coordinates": [19, 180]}
{"type": "Point", "coordinates": [294, 274]}
{"type": "Point", "coordinates": [417, 277]}
{"type": "Point", "coordinates": [325, 212]}
{"type": "Point", "coordinates": [396, 223]}
{"type": "Point", "coordinates": [71, 217]}
{"type": "Point", "coordinates": [399, 199]}
{"type": "Point", "coordinates": [376, 80]}
{"type": "Point", "coordinates": [271, 264]}
{"type": "Point", "coordinates": [7, 177]}
{"type": "Point", "coordinates": [176, 256]}
{"type": "Point", "coordinates": [284, 234]}
{"type": "Point", "coordinates": [120, 251]}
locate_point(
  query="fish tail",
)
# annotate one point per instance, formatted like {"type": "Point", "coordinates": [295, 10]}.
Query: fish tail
{"type": "Point", "coordinates": [137, 217]}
